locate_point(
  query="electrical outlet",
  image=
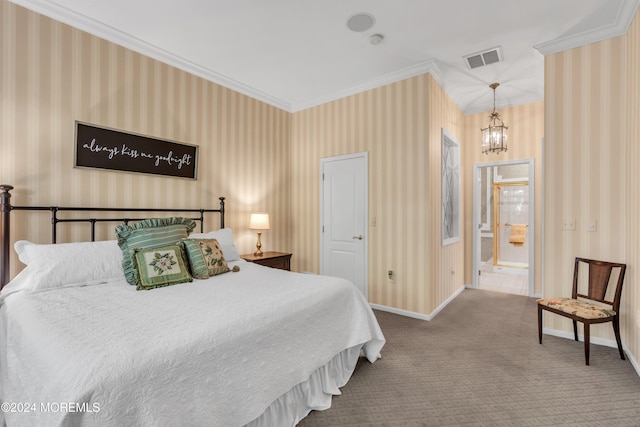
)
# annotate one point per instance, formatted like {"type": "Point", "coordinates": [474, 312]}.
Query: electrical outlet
{"type": "Point", "coordinates": [390, 274]}
{"type": "Point", "coordinates": [592, 225]}
{"type": "Point", "coordinates": [372, 221]}
{"type": "Point", "coordinates": [569, 225]}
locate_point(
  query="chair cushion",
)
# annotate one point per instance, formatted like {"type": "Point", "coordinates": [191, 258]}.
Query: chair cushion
{"type": "Point", "coordinates": [578, 308]}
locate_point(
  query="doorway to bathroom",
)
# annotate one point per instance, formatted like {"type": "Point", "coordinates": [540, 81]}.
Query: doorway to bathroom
{"type": "Point", "coordinates": [503, 213]}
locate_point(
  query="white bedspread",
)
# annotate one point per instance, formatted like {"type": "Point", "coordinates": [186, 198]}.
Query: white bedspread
{"type": "Point", "coordinates": [213, 352]}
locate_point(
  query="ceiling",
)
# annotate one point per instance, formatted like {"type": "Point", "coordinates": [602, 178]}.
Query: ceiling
{"type": "Point", "coordinates": [295, 54]}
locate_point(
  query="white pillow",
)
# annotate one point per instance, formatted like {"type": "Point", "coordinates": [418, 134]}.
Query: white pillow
{"type": "Point", "coordinates": [67, 264]}
{"type": "Point", "coordinates": [225, 239]}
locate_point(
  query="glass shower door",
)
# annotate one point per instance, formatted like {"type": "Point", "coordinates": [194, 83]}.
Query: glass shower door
{"type": "Point", "coordinates": [511, 207]}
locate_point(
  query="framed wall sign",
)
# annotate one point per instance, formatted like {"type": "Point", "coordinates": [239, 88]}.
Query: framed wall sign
{"type": "Point", "coordinates": [103, 148]}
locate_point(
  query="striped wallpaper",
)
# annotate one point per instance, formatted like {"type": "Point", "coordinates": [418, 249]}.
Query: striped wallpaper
{"type": "Point", "coordinates": [399, 126]}
{"type": "Point", "coordinates": [591, 169]}
{"type": "Point", "coordinates": [52, 75]}
{"type": "Point", "coordinates": [446, 275]}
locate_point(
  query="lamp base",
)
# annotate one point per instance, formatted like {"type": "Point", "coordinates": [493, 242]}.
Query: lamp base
{"type": "Point", "coordinates": [258, 252]}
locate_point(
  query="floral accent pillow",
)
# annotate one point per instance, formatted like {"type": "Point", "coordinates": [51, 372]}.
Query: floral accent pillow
{"type": "Point", "coordinates": [225, 239]}
{"type": "Point", "coordinates": [159, 267]}
{"type": "Point", "coordinates": [205, 257]}
{"type": "Point", "coordinates": [149, 233]}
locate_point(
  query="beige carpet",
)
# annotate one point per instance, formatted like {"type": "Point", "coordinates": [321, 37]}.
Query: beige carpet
{"type": "Point", "coordinates": [478, 363]}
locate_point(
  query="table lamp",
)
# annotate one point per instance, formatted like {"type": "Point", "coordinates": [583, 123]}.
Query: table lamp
{"type": "Point", "coordinates": [259, 221]}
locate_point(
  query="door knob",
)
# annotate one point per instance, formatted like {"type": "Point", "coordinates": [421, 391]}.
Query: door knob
{"type": "Point", "coordinates": [358, 237]}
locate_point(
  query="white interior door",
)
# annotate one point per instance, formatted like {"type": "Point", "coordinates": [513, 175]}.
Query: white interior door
{"type": "Point", "coordinates": [344, 218]}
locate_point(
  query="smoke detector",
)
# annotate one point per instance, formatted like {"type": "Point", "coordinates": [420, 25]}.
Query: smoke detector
{"type": "Point", "coordinates": [376, 39]}
{"type": "Point", "coordinates": [486, 57]}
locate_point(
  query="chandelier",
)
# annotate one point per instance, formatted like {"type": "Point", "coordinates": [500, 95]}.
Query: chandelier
{"type": "Point", "coordinates": [494, 136]}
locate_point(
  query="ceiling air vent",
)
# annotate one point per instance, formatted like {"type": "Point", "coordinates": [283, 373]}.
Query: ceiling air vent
{"type": "Point", "coordinates": [481, 59]}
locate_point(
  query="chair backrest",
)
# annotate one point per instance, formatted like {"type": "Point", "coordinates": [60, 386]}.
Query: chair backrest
{"type": "Point", "coordinates": [598, 281]}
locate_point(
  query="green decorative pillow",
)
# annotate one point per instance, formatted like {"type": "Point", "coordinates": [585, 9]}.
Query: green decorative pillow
{"type": "Point", "coordinates": [149, 233]}
{"type": "Point", "coordinates": [159, 267]}
{"type": "Point", "coordinates": [205, 258]}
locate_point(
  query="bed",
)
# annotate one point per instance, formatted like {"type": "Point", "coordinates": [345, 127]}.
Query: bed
{"type": "Point", "coordinates": [258, 346]}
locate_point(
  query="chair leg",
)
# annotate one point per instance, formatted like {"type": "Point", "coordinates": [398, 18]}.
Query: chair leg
{"type": "Point", "coordinates": [539, 323]}
{"type": "Point", "coordinates": [616, 332]}
{"type": "Point", "coordinates": [586, 342]}
{"type": "Point", "coordinates": [575, 330]}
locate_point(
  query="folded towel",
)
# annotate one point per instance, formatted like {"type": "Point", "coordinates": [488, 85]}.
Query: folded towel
{"type": "Point", "coordinates": [518, 234]}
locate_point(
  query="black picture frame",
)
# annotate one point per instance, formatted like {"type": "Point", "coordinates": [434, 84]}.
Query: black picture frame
{"type": "Point", "coordinates": [105, 148]}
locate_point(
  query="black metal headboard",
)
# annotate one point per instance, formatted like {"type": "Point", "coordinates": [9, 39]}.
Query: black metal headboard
{"type": "Point", "coordinates": [5, 219]}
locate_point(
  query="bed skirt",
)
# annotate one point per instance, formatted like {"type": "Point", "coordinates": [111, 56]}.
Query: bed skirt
{"type": "Point", "coordinates": [313, 394]}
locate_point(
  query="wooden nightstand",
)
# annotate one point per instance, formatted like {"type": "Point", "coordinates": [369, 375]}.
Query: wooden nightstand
{"type": "Point", "coordinates": [279, 260]}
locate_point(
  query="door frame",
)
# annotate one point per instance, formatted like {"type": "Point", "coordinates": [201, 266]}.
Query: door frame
{"type": "Point", "coordinates": [476, 218]}
{"type": "Point", "coordinates": [323, 161]}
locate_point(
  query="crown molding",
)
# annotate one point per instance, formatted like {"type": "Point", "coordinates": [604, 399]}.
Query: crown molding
{"type": "Point", "coordinates": [99, 29]}
{"type": "Point", "coordinates": [514, 101]}
{"type": "Point", "coordinates": [396, 76]}
{"type": "Point", "coordinates": [624, 17]}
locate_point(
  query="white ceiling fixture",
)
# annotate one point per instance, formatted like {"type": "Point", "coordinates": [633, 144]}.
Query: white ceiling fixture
{"type": "Point", "coordinates": [297, 54]}
{"type": "Point", "coordinates": [361, 22]}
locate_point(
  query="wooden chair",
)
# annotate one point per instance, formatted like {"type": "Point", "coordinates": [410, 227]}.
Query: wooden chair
{"type": "Point", "coordinates": [586, 309]}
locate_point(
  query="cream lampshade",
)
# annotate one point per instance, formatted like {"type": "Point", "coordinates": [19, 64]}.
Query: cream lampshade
{"type": "Point", "coordinates": [259, 221]}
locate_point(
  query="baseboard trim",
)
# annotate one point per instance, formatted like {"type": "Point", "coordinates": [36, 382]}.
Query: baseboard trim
{"type": "Point", "coordinates": [597, 341]}
{"type": "Point", "coordinates": [532, 296]}
{"type": "Point", "coordinates": [632, 359]}
{"type": "Point", "coordinates": [414, 314]}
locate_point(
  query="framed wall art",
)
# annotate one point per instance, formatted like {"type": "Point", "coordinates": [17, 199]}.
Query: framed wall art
{"type": "Point", "coordinates": [450, 189]}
